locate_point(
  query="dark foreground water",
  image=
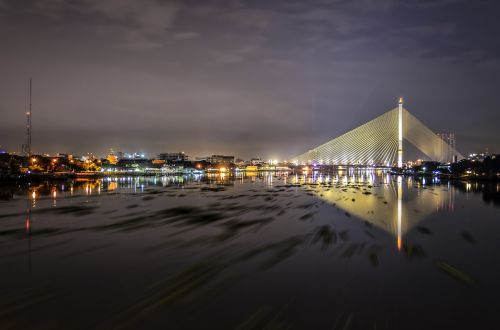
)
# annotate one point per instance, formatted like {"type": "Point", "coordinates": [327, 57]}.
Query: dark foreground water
{"type": "Point", "coordinates": [341, 251]}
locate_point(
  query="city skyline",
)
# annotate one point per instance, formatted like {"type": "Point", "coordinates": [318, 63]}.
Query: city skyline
{"type": "Point", "coordinates": [268, 79]}
{"type": "Point", "coordinates": [249, 164]}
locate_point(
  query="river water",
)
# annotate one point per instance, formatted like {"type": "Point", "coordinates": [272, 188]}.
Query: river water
{"type": "Point", "coordinates": [344, 250]}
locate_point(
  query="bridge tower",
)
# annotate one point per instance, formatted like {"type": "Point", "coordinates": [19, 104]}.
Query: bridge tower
{"type": "Point", "coordinates": [400, 133]}
{"type": "Point", "coordinates": [379, 142]}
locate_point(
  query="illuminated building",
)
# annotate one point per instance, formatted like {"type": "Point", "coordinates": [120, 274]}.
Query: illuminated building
{"type": "Point", "coordinates": [158, 161]}
{"type": "Point", "coordinates": [256, 161]}
{"type": "Point", "coordinates": [112, 159]}
{"type": "Point", "coordinates": [173, 156]}
{"type": "Point", "coordinates": [135, 155]}
{"type": "Point", "coordinates": [448, 139]}
{"type": "Point", "coordinates": [220, 159]}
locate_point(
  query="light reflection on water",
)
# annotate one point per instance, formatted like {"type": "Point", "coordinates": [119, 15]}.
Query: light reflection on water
{"type": "Point", "coordinates": [396, 205]}
{"type": "Point", "coordinates": [218, 251]}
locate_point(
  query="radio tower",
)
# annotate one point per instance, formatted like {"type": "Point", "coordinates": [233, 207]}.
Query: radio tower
{"type": "Point", "coordinates": [27, 146]}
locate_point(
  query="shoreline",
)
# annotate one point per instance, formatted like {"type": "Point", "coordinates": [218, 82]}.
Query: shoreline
{"type": "Point", "coordinates": [37, 177]}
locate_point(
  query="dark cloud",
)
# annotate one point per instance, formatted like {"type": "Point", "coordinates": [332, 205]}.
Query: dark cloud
{"type": "Point", "coordinates": [429, 4]}
{"type": "Point", "coordinates": [267, 78]}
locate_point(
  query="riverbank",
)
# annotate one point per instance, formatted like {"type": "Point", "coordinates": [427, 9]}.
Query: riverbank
{"type": "Point", "coordinates": [66, 176]}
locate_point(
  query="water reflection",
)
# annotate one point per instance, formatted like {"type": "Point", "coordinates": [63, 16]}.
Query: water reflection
{"type": "Point", "coordinates": [394, 204]}
{"type": "Point", "coordinates": [89, 187]}
{"type": "Point", "coordinates": [440, 194]}
{"type": "Point", "coordinates": [490, 191]}
{"type": "Point", "coordinates": [28, 224]}
{"type": "Point", "coordinates": [308, 245]}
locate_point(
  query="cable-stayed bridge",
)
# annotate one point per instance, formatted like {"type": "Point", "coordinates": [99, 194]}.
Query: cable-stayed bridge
{"type": "Point", "coordinates": [379, 142]}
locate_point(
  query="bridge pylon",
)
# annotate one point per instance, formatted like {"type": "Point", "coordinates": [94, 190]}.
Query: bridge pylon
{"type": "Point", "coordinates": [379, 142]}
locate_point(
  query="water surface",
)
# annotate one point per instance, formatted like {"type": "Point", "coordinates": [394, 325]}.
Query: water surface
{"type": "Point", "coordinates": [345, 250]}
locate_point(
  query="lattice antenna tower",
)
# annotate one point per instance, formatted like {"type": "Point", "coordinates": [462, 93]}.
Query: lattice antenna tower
{"type": "Point", "coordinates": [27, 145]}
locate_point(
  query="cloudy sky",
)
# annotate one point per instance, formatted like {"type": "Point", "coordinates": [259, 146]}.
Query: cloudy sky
{"type": "Point", "coordinates": [251, 78]}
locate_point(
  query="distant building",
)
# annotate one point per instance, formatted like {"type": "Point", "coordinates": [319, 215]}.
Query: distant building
{"type": "Point", "coordinates": [256, 161]}
{"type": "Point", "coordinates": [251, 168]}
{"type": "Point", "coordinates": [449, 138]}
{"type": "Point", "coordinates": [112, 159]}
{"type": "Point", "coordinates": [89, 156]}
{"type": "Point", "coordinates": [126, 164]}
{"type": "Point", "coordinates": [158, 161]}
{"type": "Point", "coordinates": [173, 157]}
{"type": "Point", "coordinates": [477, 157]}
{"type": "Point", "coordinates": [135, 155]}
{"type": "Point", "coordinates": [220, 159]}
{"type": "Point", "coordinates": [125, 155]}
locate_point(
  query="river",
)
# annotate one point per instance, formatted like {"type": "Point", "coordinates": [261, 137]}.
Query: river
{"type": "Point", "coordinates": [341, 250]}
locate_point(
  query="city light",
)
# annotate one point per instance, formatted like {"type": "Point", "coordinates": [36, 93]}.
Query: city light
{"type": "Point", "coordinates": [237, 164]}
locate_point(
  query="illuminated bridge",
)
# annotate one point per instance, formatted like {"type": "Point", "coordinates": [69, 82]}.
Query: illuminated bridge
{"type": "Point", "coordinates": [379, 142]}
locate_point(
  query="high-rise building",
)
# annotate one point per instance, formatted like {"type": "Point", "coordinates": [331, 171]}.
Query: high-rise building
{"type": "Point", "coordinates": [135, 155]}
{"type": "Point", "coordinates": [449, 138]}
{"type": "Point", "coordinates": [256, 161]}
{"type": "Point", "coordinates": [173, 156]}
{"type": "Point", "coordinates": [220, 159]}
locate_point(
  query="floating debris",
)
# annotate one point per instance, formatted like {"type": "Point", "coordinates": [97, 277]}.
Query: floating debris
{"type": "Point", "coordinates": [326, 235]}
{"type": "Point", "coordinates": [307, 216]}
{"type": "Point", "coordinates": [468, 237]}
{"type": "Point", "coordinates": [455, 273]}
{"type": "Point", "coordinates": [373, 259]}
{"type": "Point", "coordinates": [413, 251]}
{"type": "Point", "coordinates": [213, 189]}
{"type": "Point", "coordinates": [424, 230]}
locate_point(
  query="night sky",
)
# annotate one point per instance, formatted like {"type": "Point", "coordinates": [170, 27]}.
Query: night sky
{"type": "Point", "coordinates": [248, 78]}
